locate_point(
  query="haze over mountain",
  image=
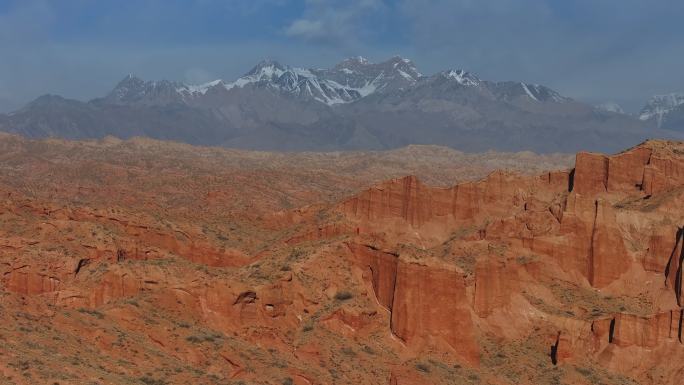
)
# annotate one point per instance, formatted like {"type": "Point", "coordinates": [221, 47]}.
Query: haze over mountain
{"type": "Point", "coordinates": [354, 105]}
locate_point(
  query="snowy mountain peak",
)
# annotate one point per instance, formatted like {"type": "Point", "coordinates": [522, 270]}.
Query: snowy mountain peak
{"type": "Point", "coordinates": [348, 81]}
{"type": "Point", "coordinates": [134, 89]}
{"type": "Point", "coordinates": [130, 81]}
{"type": "Point", "coordinates": [661, 105]}
{"type": "Point", "coordinates": [399, 59]}
{"type": "Point", "coordinates": [357, 64]}
{"type": "Point", "coordinates": [404, 67]}
{"type": "Point", "coordinates": [267, 69]}
{"type": "Point", "coordinates": [462, 77]}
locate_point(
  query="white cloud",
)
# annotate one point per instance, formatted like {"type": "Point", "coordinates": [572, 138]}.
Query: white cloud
{"type": "Point", "coordinates": [334, 21]}
{"type": "Point", "coordinates": [307, 29]}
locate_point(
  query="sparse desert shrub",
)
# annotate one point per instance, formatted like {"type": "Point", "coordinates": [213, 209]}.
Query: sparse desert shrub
{"type": "Point", "coordinates": [349, 352]}
{"type": "Point", "coordinates": [288, 381]}
{"type": "Point", "coordinates": [193, 339]}
{"type": "Point", "coordinates": [152, 381]}
{"type": "Point", "coordinates": [368, 349]}
{"type": "Point", "coordinates": [205, 337]}
{"type": "Point", "coordinates": [423, 367]}
{"type": "Point", "coordinates": [584, 371]}
{"type": "Point", "coordinates": [295, 254]}
{"type": "Point", "coordinates": [589, 374]}
{"type": "Point", "coordinates": [213, 337]}
{"type": "Point", "coordinates": [93, 313]}
{"type": "Point", "coordinates": [343, 295]}
{"type": "Point", "coordinates": [279, 364]}
{"type": "Point", "coordinates": [133, 302]}
{"type": "Point", "coordinates": [524, 259]}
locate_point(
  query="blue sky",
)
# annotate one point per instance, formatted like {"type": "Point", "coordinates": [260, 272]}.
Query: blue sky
{"type": "Point", "coordinates": [593, 50]}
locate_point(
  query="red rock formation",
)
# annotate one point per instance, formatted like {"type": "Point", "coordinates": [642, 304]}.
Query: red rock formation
{"type": "Point", "coordinates": [428, 304]}
{"type": "Point", "coordinates": [383, 268]}
{"type": "Point", "coordinates": [660, 247]}
{"type": "Point", "coordinates": [431, 309]}
{"type": "Point", "coordinates": [591, 174]}
{"type": "Point", "coordinates": [646, 332]}
{"type": "Point", "coordinates": [608, 257]}
{"type": "Point", "coordinates": [673, 272]}
{"type": "Point", "coordinates": [494, 284]}
{"type": "Point", "coordinates": [603, 331]}
{"type": "Point", "coordinates": [572, 248]}
{"type": "Point", "coordinates": [663, 173]}
{"type": "Point", "coordinates": [418, 204]}
{"type": "Point", "coordinates": [24, 280]}
{"type": "Point", "coordinates": [588, 241]}
{"type": "Point", "coordinates": [626, 170]}
{"type": "Point", "coordinates": [405, 198]}
{"type": "Point", "coordinates": [650, 169]}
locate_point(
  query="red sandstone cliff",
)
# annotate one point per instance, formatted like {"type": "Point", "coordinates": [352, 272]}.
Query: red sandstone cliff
{"type": "Point", "coordinates": [601, 226]}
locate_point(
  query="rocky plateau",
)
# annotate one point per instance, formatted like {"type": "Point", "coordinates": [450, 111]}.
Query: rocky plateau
{"type": "Point", "coordinates": [149, 262]}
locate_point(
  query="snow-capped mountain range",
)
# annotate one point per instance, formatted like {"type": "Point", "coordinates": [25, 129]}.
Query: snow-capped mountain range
{"type": "Point", "coordinates": [349, 81]}
{"type": "Point", "coordinates": [356, 104]}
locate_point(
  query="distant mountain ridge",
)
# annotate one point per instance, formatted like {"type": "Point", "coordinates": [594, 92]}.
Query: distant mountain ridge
{"type": "Point", "coordinates": [349, 81]}
{"type": "Point", "coordinates": [666, 111]}
{"type": "Point", "coordinates": [354, 105]}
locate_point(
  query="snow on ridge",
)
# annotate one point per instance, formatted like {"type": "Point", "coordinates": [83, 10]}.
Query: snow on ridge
{"type": "Point", "coordinates": [528, 92]}
{"type": "Point", "coordinates": [301, 81]}
{"type": "Point", "coordinates": [338, 85]}
{"type": "Point", "coordinates": [199, 88]}
{"type": "Point", "coordinates": [406, 76]}
{"type": "Point", "coordinates": [661, 105]}
{"type": "Point", "coordinates": [544, 93]}
{"type": "Point", "coordinates": [270, 71]}
{"type": "Point", "coordinates": [462, 77]}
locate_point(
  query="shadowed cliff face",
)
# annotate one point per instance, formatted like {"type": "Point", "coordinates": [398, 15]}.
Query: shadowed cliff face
{"type": "Point", "coordinates": [144, 265]}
